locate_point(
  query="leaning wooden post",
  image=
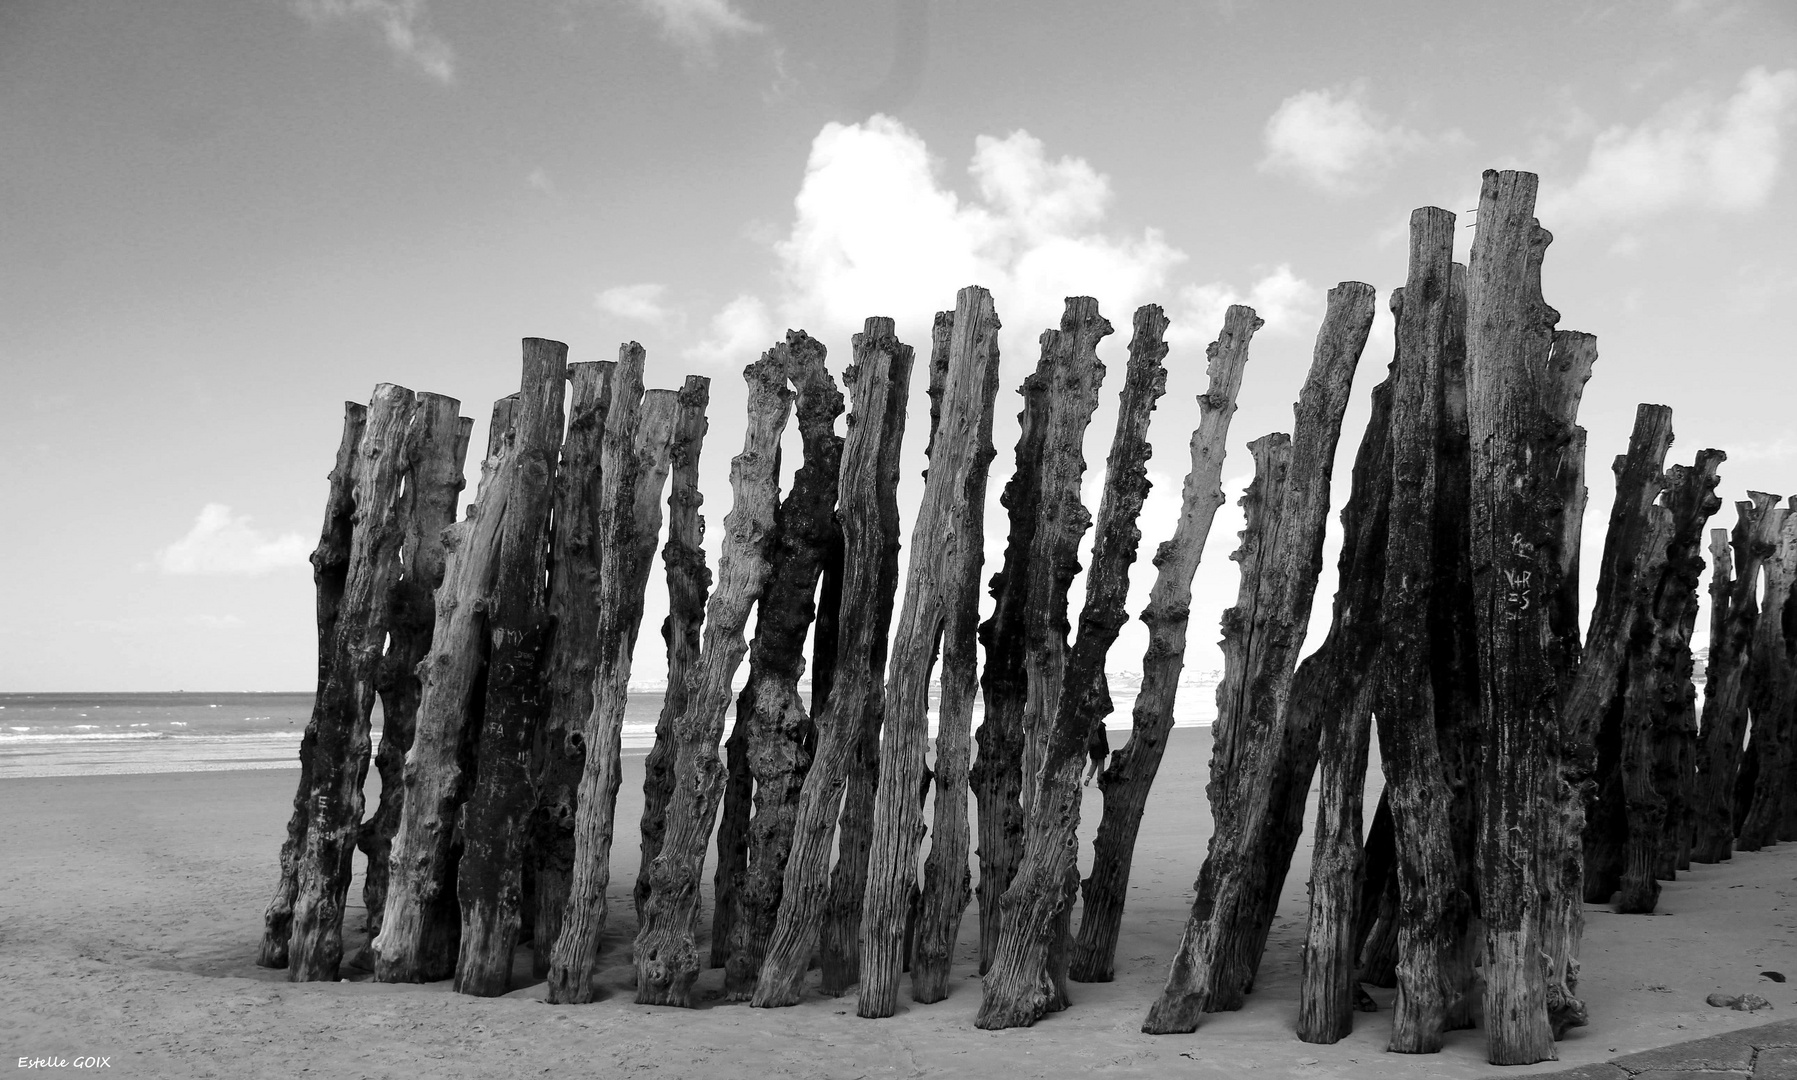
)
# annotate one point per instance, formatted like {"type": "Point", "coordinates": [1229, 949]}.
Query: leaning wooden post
{"type": "Point", "coordinates": [330, 570]}
{"type": "Point", "coordinates": [422, 924]}
{"type": "Point", "coordinates": [689, 585]}
{"type": "Point", "coordinates": [1734, 618]}
{"type": "Point", "coordinates": [1628, 577]}
{"type": "Point", "coordinates": [666, 958]}
{"type": "Point", "coordinates": [560, 752]}
{"type": "Point", "coordinates": [939, 537]}
{"type": "Point", "coordinates": [780, 730]}
{"type": "Point", "coordinates": [947, 885]}
{"type": "Point", "coordinates": [639, 428]}
{"type": "Point", "coordinates": [1127, 779]}
{"type": "Point", "coordinates": [1509, 337]}
{"type": "Point", "coordinates": [436, 450]}
{"type": "Point", "coordinates": [489, 878]}
{"type": "Point", "coordinates": [1253, 768]}
{"type": "Point", "coordinates": [337, 737]}
{"type": "Point", "coordinates": [1335, 681]}
{"type": "Point", "coordinates": [877, 382]}
{"type": "Point", "coordinates": [1028, 975]}
{"type": "Point", "coordinates": [1771, 695]}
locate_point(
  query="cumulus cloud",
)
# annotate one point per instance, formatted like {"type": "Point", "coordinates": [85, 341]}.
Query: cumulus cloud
{"type": "Point", "coordinates": [639, 302]}
{"type": "Point", "coordinates": [1284, 301]}
{"type": "Point", "coordinates": [1335, 141]}
{"type": "Point", "coordinates": [1698, 153]}
{"type": "Point", "coordinates": [740, 332]}
{"type": "Point", "coordinates": [401, 23]}
{"type": "Point", "coordinates": [223, 543]}
{"type": "Point", "coordinates": [696, 25]}
{"type": "Point", "coordinates": [878, 232]}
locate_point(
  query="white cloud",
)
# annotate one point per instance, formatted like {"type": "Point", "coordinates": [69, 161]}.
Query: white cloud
{"type": "Point", "coordinates": [539, 180]}
{"type": "Point", "coordinates": [740, 332]}
{"type": "Point", "coordinates": [876, 232]}
{"type": "Point", "coordinates": [640, 302]}
{"type": "Point", "coordinates": [695, 25]}
{"type": "Point", "coordinates": [1698, 153]}
{"type": "Point", "coordinates": [221, 543]}
{"type": "Point", "coordinates": [402, 24]}
{"type": "Point", "coordinates": [1284, 301]}
{"type": "Point", "coordinates": [1334, 140]}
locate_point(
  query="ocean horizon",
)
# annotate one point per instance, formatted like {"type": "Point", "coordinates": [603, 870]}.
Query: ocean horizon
{"type": "Point", "coordinates": [94, 734]}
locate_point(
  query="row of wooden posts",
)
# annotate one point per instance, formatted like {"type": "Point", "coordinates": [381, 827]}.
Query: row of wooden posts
{"type": "Point", "coordinates": [1528, 767]}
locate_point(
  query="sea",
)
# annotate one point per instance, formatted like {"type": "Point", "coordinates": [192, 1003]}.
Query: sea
{"type": "Point", "coordinates": [98, 734]}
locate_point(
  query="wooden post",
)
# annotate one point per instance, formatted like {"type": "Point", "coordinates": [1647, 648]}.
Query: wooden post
{"type": "Point", "coordinates": [436, 450]}
{"type": "Point", "coordinates": [939, 562]}
{"type": "Point", "coordinates": [1253, 768]}
{"type": "Point", "coordinates": [1771, 695]}
{"type": "Point", "coordinates": [689, 584]}
{"type": "Point", "coordinates": [733, 834]}
{"type": "Point", "coordinates": [780, 730]}
{"type": "Point", "coordinates": [421, 928]}
{"type": "Point", "coordinates": [665, 955]}
{"type": "Point", "coordinates": [1691, 496]}
{"type": "Point", "coordinates": [1734, 618]}
{"type": "Point", "coordinates": [948, 886]}
{"type": "Point", "coordinates": [877, 382]}
{"type": "Point", "coordinates": [1028, 975]}
{"type": "Point", "coordinates": [1126, 781]}
{"type": "Point", "coordinates": [1334, 682]}
{"type": "Point", "coordinates": [337, 737]}
{"type": "Point", "coordinates": [330, 571]}
{"type": "Point", "coordinates": [1515, 534]}
{"type": "Point", "coordinates": [489, 878]}
{"type": "Point", "coordinates": [997, 773]}
{"type": "Point", "coordinates": [559, 756]}
{"type": "Point", "coordinates": [639, 428]}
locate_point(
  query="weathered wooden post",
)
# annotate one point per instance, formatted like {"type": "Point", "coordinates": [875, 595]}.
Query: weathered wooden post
{"type": "Point", "coordinates": [436, 450]}
{"type": "Point", "coordinates": [1771, 695]}
{"type": "Point", "coordinates": [1253, 767]}
{"type": "Point", "coordinates": [559, 755]}
{"type": "Point", "coordinates": [1513, 421]}
{"type": "Point", "coordinates": [639, 430]}
{"type": "Point", "coordinates": [878, 382]}
{"type": "Point", "coordinates": [422, 924]}
{"type": "Point", "coordinates": [938, 567]}
{"type": "Point", "coordinates": [330, 571]}
{"type": "Point", "coordinates": [1691, 496]}
{"type": "Point", "coordinates": [1028, 974]}
{"type": "Point", "coordinates": [997, 773]}
{"type": "Point", "coordinates": [1342, 693]}
{"type": "Point", "coordinates": [947, 886]}
{"type": "Point", "coordinates": [665, 955]}
{"type": "Point", "coordinates": [489, 878]}
{"type": "Point", "coordinates": [780, 730]}
{"type": "Point", "coordinates": [1127, 779]}
{"type": "Point", "coordinates": [337, 737]}
{"type": "Point", "coordinates": [1734, 617]}
{"type": "Point", "coordinates": [689, 585]}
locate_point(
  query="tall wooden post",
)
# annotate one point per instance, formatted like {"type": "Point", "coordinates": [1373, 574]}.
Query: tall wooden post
{"type": "Point", "coordinates": [947, 886]}
{"type": "Point", "coordinates": [780, 729]}
{"type": "Point", "coordinates": [1127, 779]}
{"type": "Point", "coordinates": [1772, 692]}
{"type": "Point", "coordinates": [877, 382]}
{"type": "Point", "coordinates": [559, 755]}
{"type": "Point", "coordinates": [939, 537]}
{"type": "Point", "coordinates": [421, 928]}
{"type": "Point", "coordinates": [337, 737]}
{"type": "Point", "coordinates": [489, 879]}
{"type": "Point", "coordinates": [689, 585]}
{"type": "Point", "coordinates": [665, 955]}
{"type": "Point", "coordinates": [639, 428]}
{"type": "Point", "coordinates": [330, 571]}
{"type": "Point", "coordinates": [1253, 767]}
{"type": "Point", "coordinates": [1028, 975]}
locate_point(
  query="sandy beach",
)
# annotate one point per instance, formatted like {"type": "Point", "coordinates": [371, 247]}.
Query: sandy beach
{"type": "Point", "coordinates": [132, 909]}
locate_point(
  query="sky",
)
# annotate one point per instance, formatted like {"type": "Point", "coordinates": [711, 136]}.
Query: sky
{"type": "Point", "coordinates": [224, 219]}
